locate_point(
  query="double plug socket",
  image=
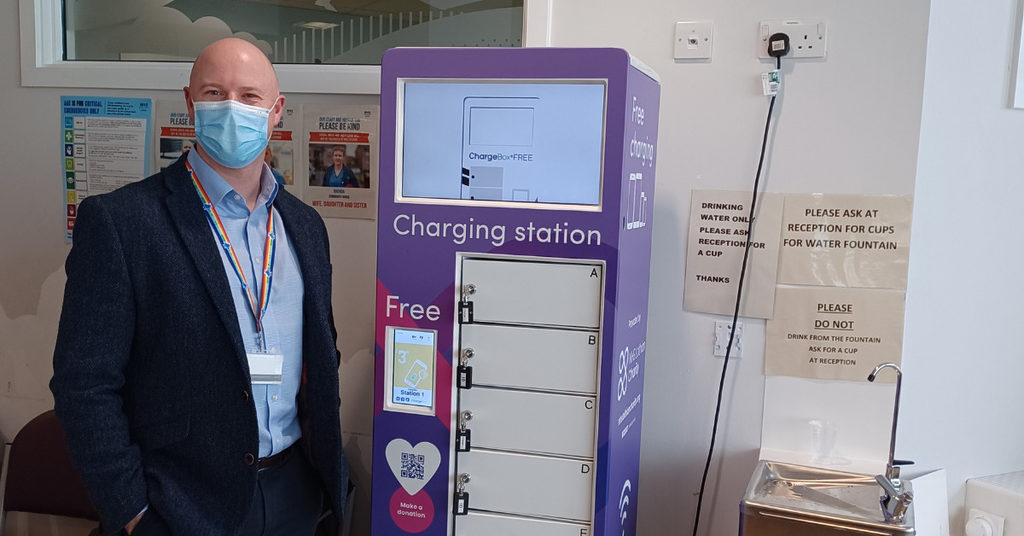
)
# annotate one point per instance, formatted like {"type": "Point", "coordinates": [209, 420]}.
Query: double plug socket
{"type": "Point", "coordinates": [808, 38]}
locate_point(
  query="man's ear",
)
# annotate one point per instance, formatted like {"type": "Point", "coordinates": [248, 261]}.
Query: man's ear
{"type": "Point", "coordinates": [191, 106]}
{"type": "Point", "coordinates": [276, 111]}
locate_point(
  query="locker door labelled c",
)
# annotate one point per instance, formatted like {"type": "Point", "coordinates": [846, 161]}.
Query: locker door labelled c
{"type": "Point", "coordinates": [545, 423]}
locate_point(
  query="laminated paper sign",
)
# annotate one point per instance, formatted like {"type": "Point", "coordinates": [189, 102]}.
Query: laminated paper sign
{"type": "Point", "coordinates": [845, 241]}
{"type": "Point", "coordinates": [833, 333]}
{"type": "Point", "coordinates": [714, 253]}
{"type": "Point", "coordinates": [106, 144]}
{"type": "Point", "coordinates": [341, 147]}
{"type": "Point", "coordinates": [176, 132]}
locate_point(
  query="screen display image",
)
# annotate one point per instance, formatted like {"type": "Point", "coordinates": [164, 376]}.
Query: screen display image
{"type": "Point", "coordinates": [508, 141]}
{"type": "Point", "coordinates": [412, 382]}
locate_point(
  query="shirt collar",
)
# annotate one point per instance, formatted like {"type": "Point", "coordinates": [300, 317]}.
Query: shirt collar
{"type": "Point", "coordinates": [218, 188]}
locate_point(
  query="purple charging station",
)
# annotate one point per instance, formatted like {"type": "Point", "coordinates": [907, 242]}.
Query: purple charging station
{"type": "Point", "coordinates": [513, 267]}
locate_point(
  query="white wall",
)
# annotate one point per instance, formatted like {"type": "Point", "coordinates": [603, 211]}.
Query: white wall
{"type": "Point", "coordinates": [962, 390]}
{"type": "Point", "coordinates": [850, 124]}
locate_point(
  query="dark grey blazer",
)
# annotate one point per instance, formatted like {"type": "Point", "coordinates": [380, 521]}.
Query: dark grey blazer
{"type": "Point", "coordinates": [150, 378]}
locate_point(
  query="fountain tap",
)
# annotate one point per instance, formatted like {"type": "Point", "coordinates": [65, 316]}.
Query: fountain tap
{"type": "Point", "coordinates": [896, 500]}
{"type": "Point", "coordinates": [891, 471]}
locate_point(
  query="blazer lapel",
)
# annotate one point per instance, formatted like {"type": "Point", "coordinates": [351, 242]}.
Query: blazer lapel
{"type": "Point", "coordinates": [187, 213]}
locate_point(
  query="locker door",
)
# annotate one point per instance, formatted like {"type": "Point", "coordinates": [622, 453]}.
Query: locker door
{"type": "Point", "coordinates": [544, 423]}
{"type": "Point", "coordinates": [481, 524]}
{"type": "Point", "coordinates": [525, 484]}
{"type": "Point", "coordinates": [534, 293]}
{"type": "Point", "coordinates": [533, 358]}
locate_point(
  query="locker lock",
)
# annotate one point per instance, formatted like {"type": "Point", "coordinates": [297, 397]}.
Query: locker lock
{"type": "Point", "coordinates": [465, 305]}
{"type": "Point", "coordinates": [465, 372]}
{"type": "Point", "coordinates": [460, 504]}
{"type": "Point", "coordinates": [463, 437]}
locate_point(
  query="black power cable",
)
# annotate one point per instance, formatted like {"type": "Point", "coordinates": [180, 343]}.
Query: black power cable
{"type": "Point", "coordinates": [739, 289]}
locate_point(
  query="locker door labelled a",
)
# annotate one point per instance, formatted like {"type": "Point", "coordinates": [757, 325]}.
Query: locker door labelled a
{"type": "Point", "coordinates": [533, 293]}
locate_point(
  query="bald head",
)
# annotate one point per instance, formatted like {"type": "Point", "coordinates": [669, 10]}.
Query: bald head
{"type": "Point", "coordinates": [234, 69]}
{"type": "Point", "coordinates": [233, 57]}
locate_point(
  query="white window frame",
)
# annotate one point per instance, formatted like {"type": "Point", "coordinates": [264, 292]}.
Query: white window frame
{"type": "Point", "coordinates": [1017, 92]}
{"type": "Point", "coordinates": [42, 63]}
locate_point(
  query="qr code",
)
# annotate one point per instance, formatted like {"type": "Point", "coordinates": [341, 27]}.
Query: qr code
{"type": "Point", "coordinates": [412, 465]}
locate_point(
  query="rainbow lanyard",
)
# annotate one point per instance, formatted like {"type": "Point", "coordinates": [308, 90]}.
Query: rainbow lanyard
{"type": "Point", "coordinates": [269, 249]}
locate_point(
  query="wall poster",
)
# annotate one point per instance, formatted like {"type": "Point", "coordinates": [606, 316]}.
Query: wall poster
{"type": "Point", "coordinates": [106, 145]}
{"type": "Point", "coordinates": [340, 150]}
{"type": "Point", "coordinates": [846, 240]}
{"type": "Point", "coordinates": [714, 253]}
{"type": "Point", "coordinates": [833, 333]}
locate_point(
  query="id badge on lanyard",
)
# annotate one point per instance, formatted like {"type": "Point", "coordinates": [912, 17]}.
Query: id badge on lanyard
{"type": "Point", "coordinates": [265, 368]}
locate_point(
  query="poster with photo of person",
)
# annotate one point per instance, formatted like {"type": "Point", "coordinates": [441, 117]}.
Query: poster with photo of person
{"type": "Point", "coordinates": [340, 144]}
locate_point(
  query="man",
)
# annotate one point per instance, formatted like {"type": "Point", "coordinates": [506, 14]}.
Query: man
{"type": "Point", "coordinates": [196, 369]}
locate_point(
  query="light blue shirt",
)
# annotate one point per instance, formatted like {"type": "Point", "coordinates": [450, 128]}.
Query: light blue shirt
{"type": "Point", "coordinates": [276, 410]}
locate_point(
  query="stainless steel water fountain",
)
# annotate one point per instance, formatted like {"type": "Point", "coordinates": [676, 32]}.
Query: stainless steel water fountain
{"type": "Point", "coordinates": [792, 500]}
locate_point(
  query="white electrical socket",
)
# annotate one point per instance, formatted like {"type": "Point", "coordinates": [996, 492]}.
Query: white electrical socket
{"type": "Point", "coordinates": [693, 40]}
{"type": "Point", "coordinates": [982, 523]}
{"type": "Point", "coordinates": [722, 339]}
{"type": "Point", "coordinates": [808, 38]}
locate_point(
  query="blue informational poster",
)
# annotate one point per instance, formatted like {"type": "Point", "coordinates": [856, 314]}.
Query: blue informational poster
{"type": "Point", "coordinates": [105, 146]}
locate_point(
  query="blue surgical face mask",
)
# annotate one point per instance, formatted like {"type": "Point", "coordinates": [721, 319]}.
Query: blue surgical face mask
{"type": "Point", "coordinates": [232, 133]}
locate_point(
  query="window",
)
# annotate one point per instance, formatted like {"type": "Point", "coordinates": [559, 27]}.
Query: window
{"type": "Point", "coordinates": [288, 31]}
{"type": "Point", "coordinates": [148, 44]}
{"type": "Point", "coordinates": [1017, 93]}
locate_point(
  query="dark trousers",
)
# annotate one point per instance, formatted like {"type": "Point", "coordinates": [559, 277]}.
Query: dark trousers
{"type": "Point", "coordinates": [288, 501]}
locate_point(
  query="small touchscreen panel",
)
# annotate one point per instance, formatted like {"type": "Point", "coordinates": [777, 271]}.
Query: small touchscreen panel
{"type": "Point", "coordinates": [412, 354]}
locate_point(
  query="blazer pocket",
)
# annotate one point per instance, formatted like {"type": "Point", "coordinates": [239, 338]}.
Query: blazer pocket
{"type": "Point", "coordinates": [157, 435]}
